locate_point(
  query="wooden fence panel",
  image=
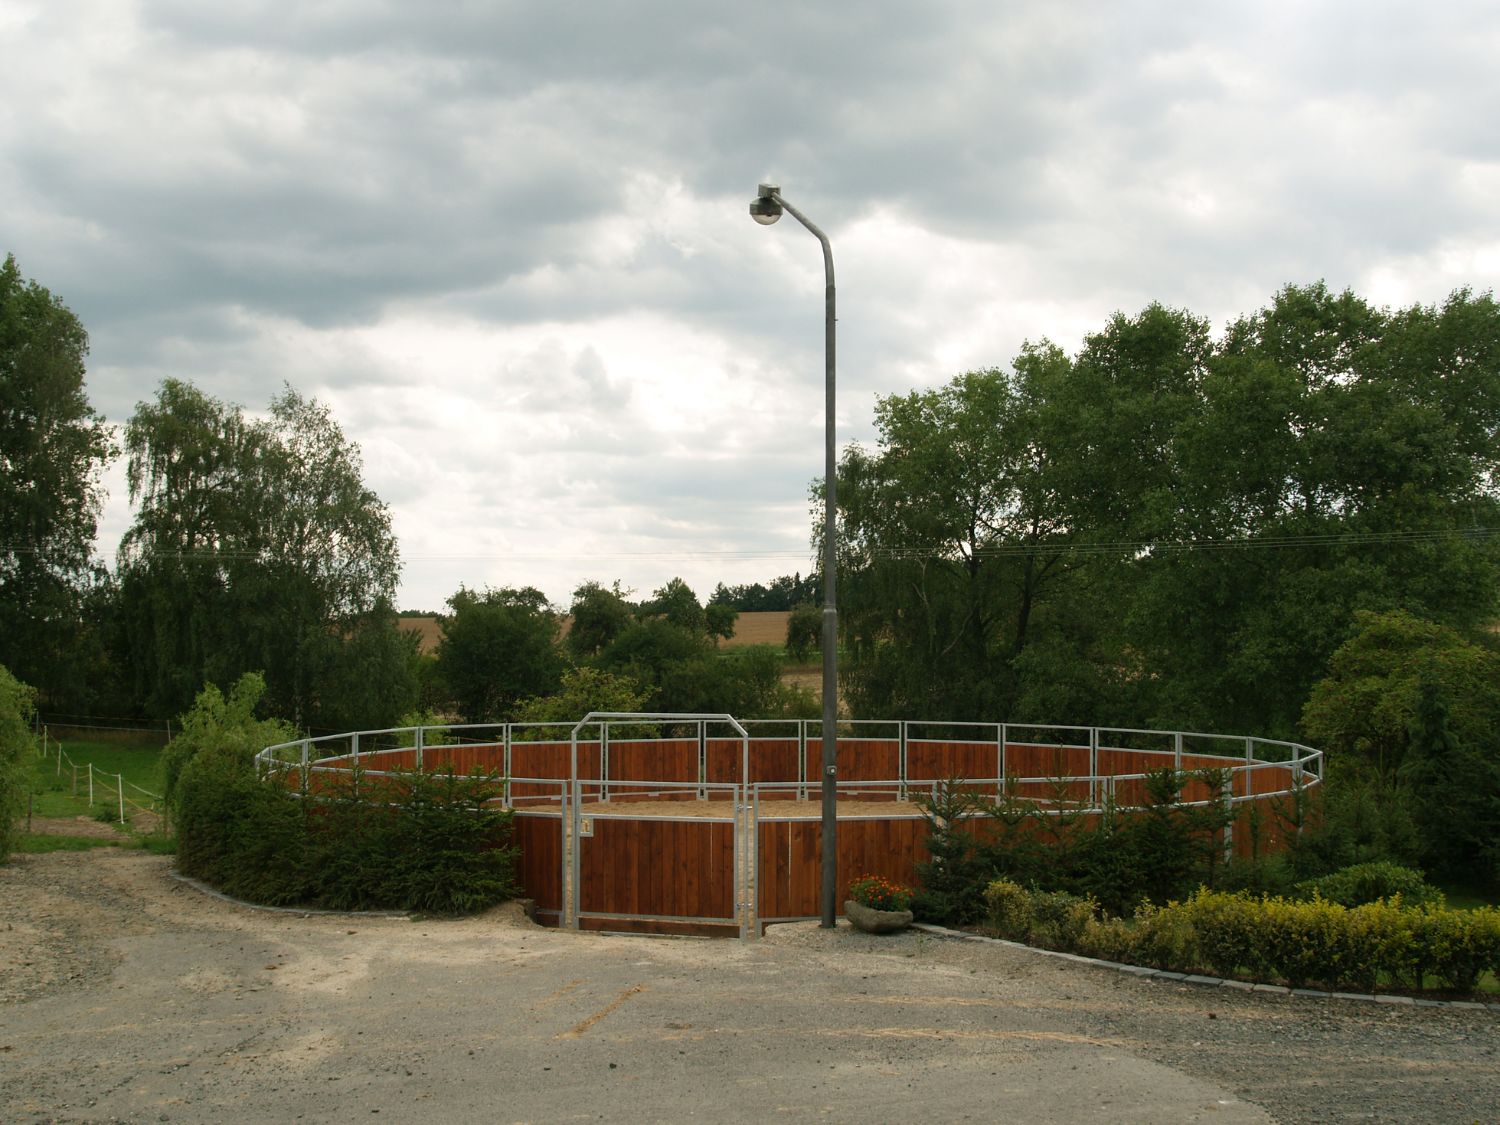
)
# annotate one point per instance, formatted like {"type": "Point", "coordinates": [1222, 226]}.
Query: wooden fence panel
{"type": "Point", "coordinates": [789, 860]}
{"type": "Point", "coordinates": [1024, 760]}
{"type": "Point", "coordinates": [773, 760]}
{"type": "Point", "coordinates": [928, 761]}
{"type": "Point", "coordinates": [859, 759]}
{"type": "Point", "coordinates": [674, 759]}
{"type": "Point", "coordinates": [678, 867]}
{"type": "Point", "coordinates": [539, 868]}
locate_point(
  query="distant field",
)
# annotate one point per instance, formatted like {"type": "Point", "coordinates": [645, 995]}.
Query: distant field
{"type": "Point", "coordinates": [765, 628]}
{"type": "Point", "coordinates": [768, 628]}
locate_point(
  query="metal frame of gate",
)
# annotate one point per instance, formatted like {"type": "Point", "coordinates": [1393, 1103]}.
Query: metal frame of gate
{"type": "Point", "coordinates": [574, 820]}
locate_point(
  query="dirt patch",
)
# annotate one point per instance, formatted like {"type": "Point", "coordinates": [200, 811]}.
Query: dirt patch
{"type": "Point", "coordinates": [76, 826]}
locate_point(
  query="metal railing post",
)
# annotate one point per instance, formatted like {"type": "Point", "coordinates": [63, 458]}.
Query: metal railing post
{"type": "Point", "coordinates": [902, 764]}
{"type": "Point", "coordinates": [1094, 767]}
{"type": "Point", "coordinates": [801, 759]}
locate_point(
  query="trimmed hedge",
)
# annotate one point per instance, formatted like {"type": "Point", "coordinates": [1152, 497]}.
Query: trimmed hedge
{"type": "Point", "coordinates": [1382, 944]}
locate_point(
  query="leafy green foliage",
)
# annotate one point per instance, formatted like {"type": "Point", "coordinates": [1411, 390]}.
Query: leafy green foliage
{"type": "Point", "coordinates": [804, 632]}
{"type": "Point", "coordinates": [1380, 944]}
{"type": "Point", "coordinates": [1026, 543]}
{"type": "Point", "coordinates": [499, 647]}
{"type": "Point", "coordinates": [410, 840]}
{"type": "Point", "coordinates": [1116, 860]}
{"type": "Point", "coordinates": [257, 546]}
{"type": "Point", "coordinates": [1410, 715]}
{"type": "Point", "coordinates": [1372, 882]}
{"type": "Point", "coordinates": [599, 615]}
{"type": "Point", "coordinates": [16, 749]}
{"type": "Point", "coordinates": [583, 690]}
{"type": "Point", "coordinates": [780, 594]}
{"type": "Point", "coordinates": [53, 445]}
{"type": "Point", "coordinates": [948, 883]}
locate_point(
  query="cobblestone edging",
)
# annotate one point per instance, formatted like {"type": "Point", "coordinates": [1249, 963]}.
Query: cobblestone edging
{"type": "Point", "coordinates": [1219, 982]}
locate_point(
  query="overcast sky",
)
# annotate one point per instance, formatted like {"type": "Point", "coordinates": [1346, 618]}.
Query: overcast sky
{"type": "Point", "coordinates": [508, 242]}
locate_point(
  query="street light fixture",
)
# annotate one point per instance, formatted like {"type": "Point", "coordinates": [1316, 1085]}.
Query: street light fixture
{"type": "Point", "coordinates": [765, 209]}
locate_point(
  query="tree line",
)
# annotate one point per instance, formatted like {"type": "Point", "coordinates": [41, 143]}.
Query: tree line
{"type": "Point", "coordinates": [256, 546]}
{"type": "Point", "coordinates": [1286, 528]}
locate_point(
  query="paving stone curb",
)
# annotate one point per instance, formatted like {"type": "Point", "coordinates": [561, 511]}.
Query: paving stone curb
{"type": "Point", "coordinates": [1213, 982]}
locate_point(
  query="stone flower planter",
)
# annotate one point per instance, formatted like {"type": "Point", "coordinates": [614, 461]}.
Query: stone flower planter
{"type": "Point", "coordinates": [873, 921]}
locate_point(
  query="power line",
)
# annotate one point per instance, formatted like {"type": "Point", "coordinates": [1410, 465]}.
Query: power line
{"type": "Point", "coordinates": [1155, 546]}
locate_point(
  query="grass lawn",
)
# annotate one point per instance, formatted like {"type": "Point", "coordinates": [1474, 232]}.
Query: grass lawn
{"type": "Point", "coordinates": [1468, 898]}
{"type": "Point", "coordinates": [62, 790]}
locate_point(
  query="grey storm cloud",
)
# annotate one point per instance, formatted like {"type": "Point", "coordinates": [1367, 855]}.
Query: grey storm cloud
{"type": "Point", "coordinates": [331, 193]}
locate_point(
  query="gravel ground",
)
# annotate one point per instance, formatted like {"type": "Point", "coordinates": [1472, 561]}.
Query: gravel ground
{"type": "Point", "coordinates": [128, 996]}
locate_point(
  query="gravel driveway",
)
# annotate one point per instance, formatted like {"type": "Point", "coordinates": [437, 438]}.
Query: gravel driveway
{"type": "Point", "coordinates": [127, 996]}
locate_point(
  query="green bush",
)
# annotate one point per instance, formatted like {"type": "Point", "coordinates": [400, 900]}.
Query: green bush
{"type": "Point", "coordinates": [451, 851]}
{"type": "Point", "coordinates": [951, 884]}
{"type": "Point", "coordinates": [1058, 919]}
{"type": "Point", "coordinates": [1162, 937]}
{"type": "Point", "coordinates": [1457, 946]}
{"type": "Point", "coordinates": [1371, 882]}
{"type": "Point", "coordinates": [408, 840]}
{"type": "Point", "coordinates": [16, 746]}
{"type": "Point", "coordinates": [1008, 907]}
{"type": "Point", "coordinates": [1374, 945]}
{"type": "Point", "coordinates": [1226, 929]}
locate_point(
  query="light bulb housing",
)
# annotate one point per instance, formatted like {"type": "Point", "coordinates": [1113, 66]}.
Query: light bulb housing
{"type": "Point", "coordinates": [765, 209]}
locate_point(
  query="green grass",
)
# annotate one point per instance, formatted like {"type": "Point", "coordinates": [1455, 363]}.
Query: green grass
{"type": "Point", "coordinates": [1468, 898]}
{"type": "Point", "coordinates": [64, 791]}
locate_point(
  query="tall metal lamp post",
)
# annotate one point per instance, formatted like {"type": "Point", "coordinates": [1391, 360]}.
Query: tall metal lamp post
{"type": "Point", "coordinates": [766, 209]}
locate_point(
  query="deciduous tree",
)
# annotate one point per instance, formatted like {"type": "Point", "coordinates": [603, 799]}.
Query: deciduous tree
{"type": "Point", "coordinates": [53, 446]}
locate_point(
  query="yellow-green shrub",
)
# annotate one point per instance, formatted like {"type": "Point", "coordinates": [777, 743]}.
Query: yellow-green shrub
{"type": "Point", "coordinates": [1457, 946]}
{"type": "Point", "coordinates": [1164, 937]}
{"type": "Point", "coordinates": [1227, 929]}
{"type": "Point", "coordinates": [1008, 910]}
{"type": "Point", "coordinates": [1379, 943]}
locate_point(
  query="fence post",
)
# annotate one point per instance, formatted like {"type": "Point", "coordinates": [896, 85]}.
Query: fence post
{"type": "Point", "coordinates": [801, 759]}
{"type": "Point", "coordinates": [120, 782]}
{"type": "Point", "coordinates": [702, 758]}
{"type": "Point", "coordinates": [1177, 751]}
{"type": "Point", "coordinates": [1094, 767]}
{"type": "Point", "coordinates": [421, 730]}
{"type": "Point", "coordinates": [901, 765]}
{"type": "Point", "coordinates": [91, 786]}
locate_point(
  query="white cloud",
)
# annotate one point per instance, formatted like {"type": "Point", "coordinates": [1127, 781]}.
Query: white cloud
{"type": "Point", "coordinates": [509, 245]}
